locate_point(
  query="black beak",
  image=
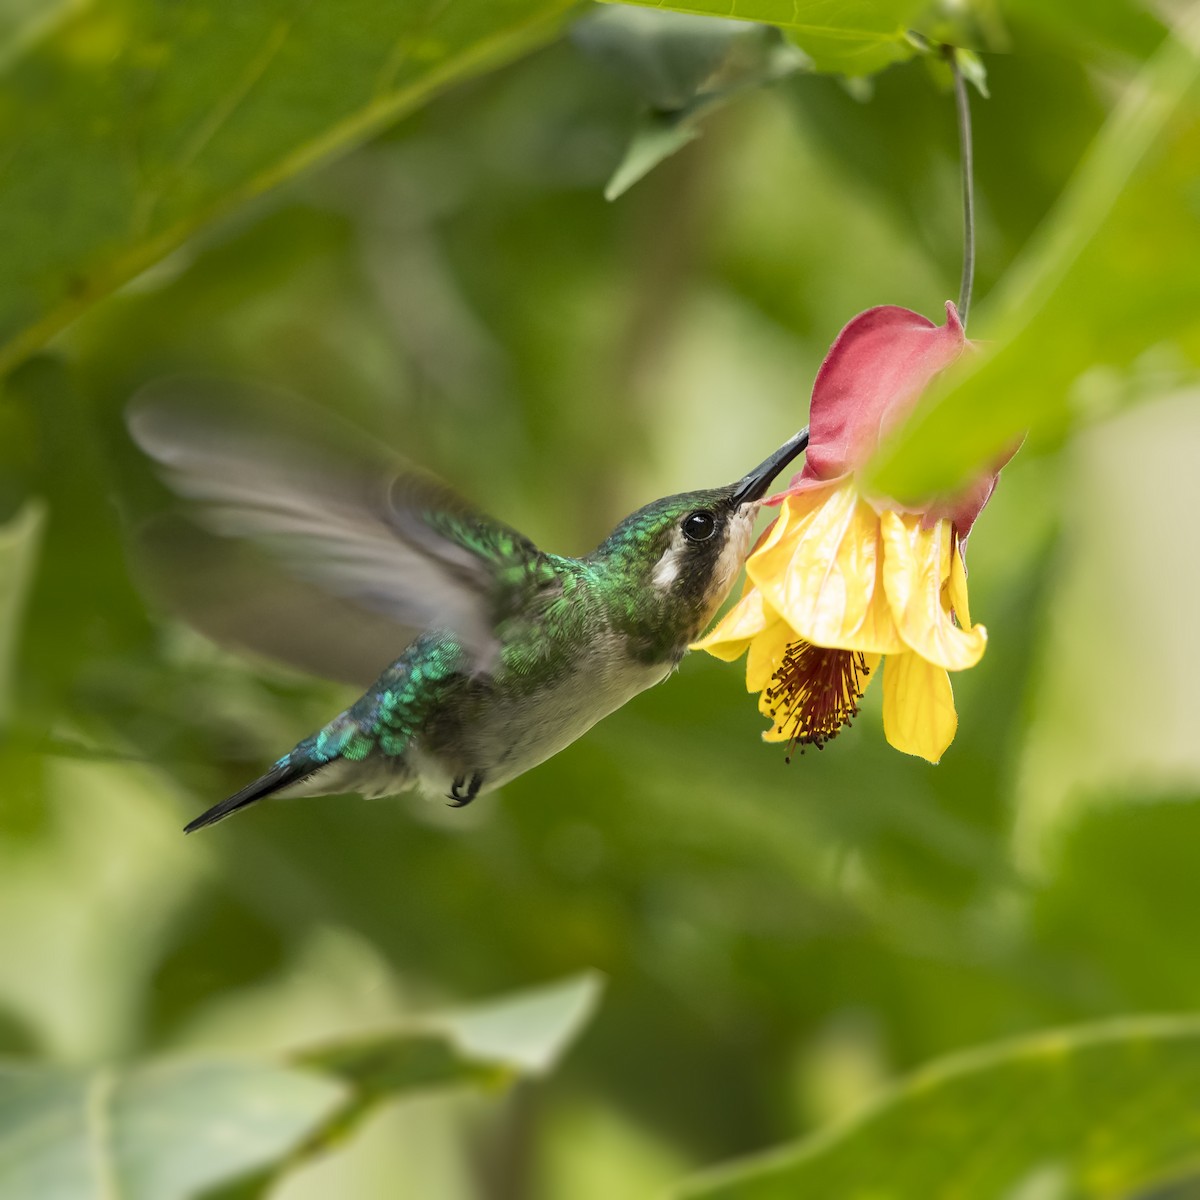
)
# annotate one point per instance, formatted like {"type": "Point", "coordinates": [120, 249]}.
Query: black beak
{"type": "Point", "coordinates": [754, 486]}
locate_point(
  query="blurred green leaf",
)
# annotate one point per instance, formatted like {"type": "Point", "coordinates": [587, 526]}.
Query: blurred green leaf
{"type": "Point", "coordinates": [684, 67]}
{"type": "Point", "coordinates": [166, 116]}
{"type": "Point", "coordinates": [665, 57]}
{"type": "Point", "coordinates": [525, 1034]}
{"type": "Point", "coordinates": [1086, 304]}
{"type": "Point", "coordinates": [655, 138]}
{"type": "Point", "coordinates": [1126, 898]}
{"type": "Point", "coordinates": [19, 541]}
{"type": "Point", "coordinates": [1124, 529]}
{"type": "Point", "coordinates": [1114, 27]}
{"type": "Point", "coordinates": [1096, 1111]}
{"type": "Point", "coordinates": [76, 959]}
{"type": "Point", "coordinates": [171, 1130]}
{"type": "Point", "coordinates": [160, 1132]}
{"type": "Point", "coordinates": [530, 1031]}
{"type": "Point", "coordinates": [65, 466]}
{"type": "Point", "coordinates": [853, 37]}
{"type": "Point", "coordinates": [488, 1044]}
{"type": "Point", "coordinates": [21, 21]}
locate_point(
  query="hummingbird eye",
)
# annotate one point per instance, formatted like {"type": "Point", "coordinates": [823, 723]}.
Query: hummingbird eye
{"type": "Point", "coordinates": [699, 526]}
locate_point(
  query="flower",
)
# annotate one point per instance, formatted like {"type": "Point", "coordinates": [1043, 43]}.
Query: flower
{"type": "Point", "coordinates": [844, 580]}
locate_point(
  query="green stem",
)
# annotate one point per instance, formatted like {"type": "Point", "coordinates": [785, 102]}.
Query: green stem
{"type": "Point", "coordinates": [966, 156]}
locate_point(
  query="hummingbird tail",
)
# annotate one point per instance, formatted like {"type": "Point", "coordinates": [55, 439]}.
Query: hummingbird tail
{"type": "Point", "coordinates": [283, 774]}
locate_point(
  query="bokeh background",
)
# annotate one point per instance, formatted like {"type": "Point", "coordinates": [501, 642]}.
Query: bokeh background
{"type": "Point", "coordinates": [779, 942]}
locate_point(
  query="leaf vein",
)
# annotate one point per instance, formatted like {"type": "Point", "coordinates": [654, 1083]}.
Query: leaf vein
{"type": "Point", "coordinates": [97, 1119]}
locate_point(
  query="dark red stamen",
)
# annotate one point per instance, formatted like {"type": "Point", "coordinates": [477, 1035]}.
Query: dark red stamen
{"type": "Point", "coordinates": [815, 693]}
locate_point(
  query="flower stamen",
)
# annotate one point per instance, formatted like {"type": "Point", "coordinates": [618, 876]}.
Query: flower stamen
{"type": "Point", "coordinates": [814, 693]}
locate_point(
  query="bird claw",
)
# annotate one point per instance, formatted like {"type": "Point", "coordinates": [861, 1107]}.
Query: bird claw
{"type": "Point", "coordinates": [464, 790]}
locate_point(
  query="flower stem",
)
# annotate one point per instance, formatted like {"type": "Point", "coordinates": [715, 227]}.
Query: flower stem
{"type": "Point", "coordinates": [963, 105]}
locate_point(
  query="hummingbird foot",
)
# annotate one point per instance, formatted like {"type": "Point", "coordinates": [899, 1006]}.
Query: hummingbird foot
{"type": "Point", "coordinates": [463, 790]}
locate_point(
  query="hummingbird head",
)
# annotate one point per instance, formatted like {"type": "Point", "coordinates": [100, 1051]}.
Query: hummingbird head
{"type": "Point", "coordinates": [670, 565]}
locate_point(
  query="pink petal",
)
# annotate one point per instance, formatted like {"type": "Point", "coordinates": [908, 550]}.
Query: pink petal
{"type": "Point", "coordinates": [870, 380]}
{"type": "Point", "coordinates": [965, 506]}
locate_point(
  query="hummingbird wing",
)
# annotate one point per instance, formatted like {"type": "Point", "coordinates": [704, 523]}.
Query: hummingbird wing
{"type": "Point", "coordinates": [239, 597]}
{"type": "Point", "coordinates": [339, 511]}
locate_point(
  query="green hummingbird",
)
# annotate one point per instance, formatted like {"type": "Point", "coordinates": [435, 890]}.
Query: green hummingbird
{"type": "Point", "coordinates": [511, 652]}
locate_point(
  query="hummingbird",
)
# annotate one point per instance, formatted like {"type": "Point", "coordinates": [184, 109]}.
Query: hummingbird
{"type": "Point", "coordinates": [510, 653]}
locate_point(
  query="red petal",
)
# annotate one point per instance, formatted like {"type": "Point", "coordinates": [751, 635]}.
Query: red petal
{"type": "Point", "coordinates": [872, 376]}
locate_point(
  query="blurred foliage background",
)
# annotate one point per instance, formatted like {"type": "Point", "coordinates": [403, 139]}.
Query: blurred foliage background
{"type": "Point", "coordinates": [356, 210]}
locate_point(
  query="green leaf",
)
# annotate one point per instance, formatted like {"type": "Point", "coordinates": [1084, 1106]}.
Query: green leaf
{"type": "Point", "coordinates": [665, 57]}
{"type": "Point", "coordinates": [171, 1130]}
{"type": "Point", "coordinates": [19, 541]}
{"type": "Point", "coordinates": [1067, 334]}
{"type": "Point", "coordinates": [655, 138]}
{"type": "Point", "coordinates": [163, 117]}
{"type": "Point", "coordinates": [490, 1043]}
{"type": "Point", "coordinates": [852, 37]}
{"type": "Point", "coordinates": [160, 1132]}
{"type": "Point", "coordinates": [683, 67]}
{"type": "Point", "coordinates": [1114, 27]}
{"type": "Point", "coordinates": [527, 1032]}
{"type": "Point", "coordinates": [1096, 1111]}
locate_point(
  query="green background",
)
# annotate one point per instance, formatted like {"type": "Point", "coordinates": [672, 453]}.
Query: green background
{"type": "Point", "coordinates": [397, 210]}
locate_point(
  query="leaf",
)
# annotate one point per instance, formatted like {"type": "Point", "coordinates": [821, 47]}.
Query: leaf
{"type": "Point", "coordinates": [1113, 27]}
{"type": "Point", "coordinates": [530, 1031]}
{"type": "Point", "coordinates": [1119, 584]}
{"type": "Point", "coordinates": [151, 1133]}
{"type": "Point", "coordinates": [19, 541]}
{"type": "Point", "coordinates": [655, 138]}
{"type": "Point", "coordinates": [173, 1129]}
{"type": "Point", "coordinates": [1095, 1111]}
{"type": "Point", "coordinates": [683, 67]}
{"type": "Point", "coordinates": [1067, 334]}
{"type": "Point", "coordinates": [491, 1043]}
{"type": "Point", "coordinates": [853, 37]}
{"type": "Point", "coordinates": [126, 127]}
{"type": "Point", "coordinates": [665, 57]}
{"type": "Point", "coordinates": [487, 1045]}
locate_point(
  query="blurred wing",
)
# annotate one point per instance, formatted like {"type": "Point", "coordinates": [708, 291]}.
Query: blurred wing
{"type": "Point", "coordinates": [338, 511]}
{"type": "Point", "coordinates": [239, 598]}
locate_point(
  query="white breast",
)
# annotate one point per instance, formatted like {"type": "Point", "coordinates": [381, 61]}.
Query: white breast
{"type": "Point", "coordinates": [513, 738]}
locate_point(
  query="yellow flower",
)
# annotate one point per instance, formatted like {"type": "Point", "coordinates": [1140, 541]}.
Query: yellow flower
{"type": "Point", "coordinates": [843, 581]}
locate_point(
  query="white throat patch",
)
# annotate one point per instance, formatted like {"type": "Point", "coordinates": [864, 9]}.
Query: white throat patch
{"type": "Point", "coordinates": [733, 555]}
{"type": "Point", "coordinates": [666, 570]}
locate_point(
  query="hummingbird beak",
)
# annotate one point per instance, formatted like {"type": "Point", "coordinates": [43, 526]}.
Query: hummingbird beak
{"type": "Point", "coordinates": [754, 486]}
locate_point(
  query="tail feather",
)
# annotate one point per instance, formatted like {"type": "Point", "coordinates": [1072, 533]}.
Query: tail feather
{"type": "Point", "coordinates": [281, 775]}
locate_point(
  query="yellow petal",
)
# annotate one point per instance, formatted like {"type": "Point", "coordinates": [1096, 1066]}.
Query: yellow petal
{"type": "Point", "coordinates": [878, 633]}
{"type": "Point", "coordinates": [766, 653]}
{"type": "Point", "coordinates": [915, 564]}
{"type": "Point", "coordinates": [773, 733]}
{"type": "Point", "coordinates": [821, 574]}
{"type": "Point", "coordinates": [765, 704]}
{"type": "Point", "coordinates": [918, 706]}
{"type": "Point", "coordinates": [958, 588]}
{"type": "Point", "coordinates": [735, 630]}
{"type": "Point", "coordinates": [772, 533]}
